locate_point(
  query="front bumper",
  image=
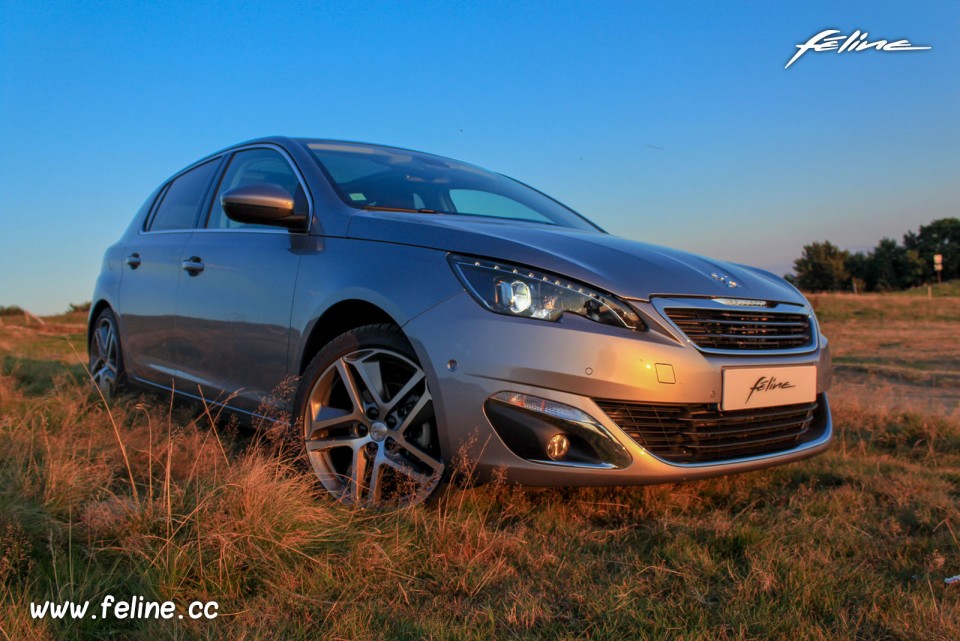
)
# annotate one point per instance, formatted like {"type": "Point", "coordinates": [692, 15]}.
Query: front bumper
{"type": "Point", "coordinates": [469, 354]}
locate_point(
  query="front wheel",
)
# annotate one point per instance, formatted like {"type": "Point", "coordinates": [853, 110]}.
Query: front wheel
{"type": "Point", "coordinates": [369, 428]}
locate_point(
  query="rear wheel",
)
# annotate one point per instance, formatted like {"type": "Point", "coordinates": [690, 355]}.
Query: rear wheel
{"type": "Point", "coordinates": [106, 357]}
{"type": "Point", "coordinates": [369, 429]}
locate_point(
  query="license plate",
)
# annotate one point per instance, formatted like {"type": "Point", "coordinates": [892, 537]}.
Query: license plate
{"type": "Point", "coordinates": [749, 387]}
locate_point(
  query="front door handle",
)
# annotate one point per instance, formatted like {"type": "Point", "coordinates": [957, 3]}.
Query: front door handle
{"type": "Point", "coordinates": [193, 265]}
{"type": "Point", "coordinates": [133, 260]}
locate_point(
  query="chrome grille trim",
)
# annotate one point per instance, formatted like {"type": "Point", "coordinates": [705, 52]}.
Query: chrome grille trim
{"type": "Point", "coordinates": [715, 328]}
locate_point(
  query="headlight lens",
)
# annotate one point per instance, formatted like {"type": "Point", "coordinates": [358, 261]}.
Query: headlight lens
{"type": "Point", "coordinates": [519, 291]}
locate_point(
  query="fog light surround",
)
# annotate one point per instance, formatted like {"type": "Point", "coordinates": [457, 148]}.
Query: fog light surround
{"type": "Point", "coordinates": [544, 406]}
{"type": "Point", "coordinates": [553, 433]}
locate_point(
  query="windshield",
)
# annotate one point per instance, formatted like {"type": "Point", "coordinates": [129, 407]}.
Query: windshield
{"type": "Point", "coordinates": [389, 179]}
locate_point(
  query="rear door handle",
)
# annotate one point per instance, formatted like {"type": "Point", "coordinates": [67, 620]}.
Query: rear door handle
{"type": "Point", "coordinates": [133, 260]}
{"type": "Point", "coordinates": [193, 265]}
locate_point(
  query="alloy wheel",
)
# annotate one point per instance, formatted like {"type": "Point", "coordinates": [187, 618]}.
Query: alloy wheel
{"type": "Point", "coordinates": [105, 356]}
{"type": "Point", "coordinates": [370, 431]}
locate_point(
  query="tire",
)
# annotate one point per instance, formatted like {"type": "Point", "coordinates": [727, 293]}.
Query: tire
{"type": "Point", "coordinates": [106, 356]}
{"type": "Point", "coordinates": [367, 422]}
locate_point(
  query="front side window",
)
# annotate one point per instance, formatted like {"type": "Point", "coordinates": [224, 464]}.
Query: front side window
{"type": "Point", "coordinates": [181, 203]}
{"type": "Point", "coordinates": [385, 178]}
{"type": "Point", "coordinates": [253, 167]}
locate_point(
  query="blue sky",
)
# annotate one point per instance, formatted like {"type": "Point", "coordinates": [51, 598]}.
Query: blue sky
{"type": "Point", "coordinates": [673, 123]}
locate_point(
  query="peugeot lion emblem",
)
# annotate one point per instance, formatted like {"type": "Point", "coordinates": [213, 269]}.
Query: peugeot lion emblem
{"type": "Point", "coordinates": [723, 278]}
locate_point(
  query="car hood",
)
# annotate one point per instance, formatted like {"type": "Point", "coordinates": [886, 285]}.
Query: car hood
{"type": "Point", "coordinates": [626, 268]}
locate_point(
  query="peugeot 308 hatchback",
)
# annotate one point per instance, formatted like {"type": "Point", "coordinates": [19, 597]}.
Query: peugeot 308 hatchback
{"type": "Point", "coordinates": [426, 307]}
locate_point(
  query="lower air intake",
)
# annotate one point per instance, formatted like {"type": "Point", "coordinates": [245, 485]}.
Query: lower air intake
{"type": "Point", "coordinates": [704, 434]}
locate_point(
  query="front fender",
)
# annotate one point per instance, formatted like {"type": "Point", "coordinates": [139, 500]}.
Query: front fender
{"type": "Point", "coordinates": [335, 270]}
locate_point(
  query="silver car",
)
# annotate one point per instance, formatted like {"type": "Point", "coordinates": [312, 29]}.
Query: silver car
{"type": "Point", "coordinates": [426, 309]}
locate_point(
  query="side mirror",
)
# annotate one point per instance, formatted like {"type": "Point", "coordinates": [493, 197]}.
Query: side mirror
{"type": "Point", "coordinates": [261, 204]}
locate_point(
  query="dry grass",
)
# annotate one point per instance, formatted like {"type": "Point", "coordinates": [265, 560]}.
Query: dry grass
{"type": "Point", "coordinates": [851, 545]}
{"type": "Point", "coordinates": [879, 307]}
{"type": "Point", "coordinates": [900, 350]}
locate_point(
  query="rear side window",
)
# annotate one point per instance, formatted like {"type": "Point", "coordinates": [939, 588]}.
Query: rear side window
{"type": "Point", "coordinates": [182, 202]}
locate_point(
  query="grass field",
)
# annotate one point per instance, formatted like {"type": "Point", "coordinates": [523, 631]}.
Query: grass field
{"type": "Point", "coordinates": [145, 499]}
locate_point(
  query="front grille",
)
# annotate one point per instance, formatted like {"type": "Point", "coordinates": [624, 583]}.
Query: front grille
{"type": "Point", "coordinates": [705, 434]}
{"type": "Point", "coordinates": [739, 330]}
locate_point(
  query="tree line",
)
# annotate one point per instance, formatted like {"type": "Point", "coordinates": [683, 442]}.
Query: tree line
{"type": "Point", "coordinates": [889, 266]}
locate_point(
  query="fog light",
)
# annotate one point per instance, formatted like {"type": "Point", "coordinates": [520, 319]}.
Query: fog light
{"type": "Point", "coordinates": [557, 447]}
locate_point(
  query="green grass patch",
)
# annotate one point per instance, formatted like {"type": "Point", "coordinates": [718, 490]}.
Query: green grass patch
{"type": "Point", "coordinates": [949, 288]}
{"type": "Point", "coordinates": [35, 377]}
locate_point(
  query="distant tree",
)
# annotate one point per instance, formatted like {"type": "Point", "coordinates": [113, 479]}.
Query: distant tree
{"type": "Point", "coordinates": [892, 266]}
{"type": "Point", "coordinates": [860, 269]}
{"type": "Point", "coordinates": [79, 307]}
{"type": "Point", "coordinates": [11, 310]}
{"type": "Point", "coordinates": [822, 267]}
{"type": "Point", "coordinates": [888, 266]}
{"type": "Point", "coordinates": [939, 237]}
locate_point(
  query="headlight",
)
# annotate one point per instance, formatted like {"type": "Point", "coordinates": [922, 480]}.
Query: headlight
{"type": "Point", "coordinates": [519, 291]}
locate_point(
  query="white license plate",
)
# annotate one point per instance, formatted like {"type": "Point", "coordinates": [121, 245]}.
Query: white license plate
{"type": "Point", "coordinates": [748, 387]}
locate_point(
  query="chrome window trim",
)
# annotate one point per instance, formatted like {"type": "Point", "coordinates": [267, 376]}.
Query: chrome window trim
{"type": "Point", "coordinates": [661, 303]}
{"type": "Point", "coordinates": [148, 218]}
{"type": "Point", "coordinates": [151, 215]}
{"type": "Point", "coordinates": [228, 155]}
{"type": "Point", "coordinates": [232, 231]}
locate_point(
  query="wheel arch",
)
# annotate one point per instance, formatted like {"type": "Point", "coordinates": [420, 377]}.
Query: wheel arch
{"type": "Point", "coordinates": [95, 310]}
{"type": "Point", "coordinates": [339, 318]}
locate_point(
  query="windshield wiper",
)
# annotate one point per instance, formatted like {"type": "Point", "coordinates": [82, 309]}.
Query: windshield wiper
{"type": "Point", "coordinates": [403, 209]}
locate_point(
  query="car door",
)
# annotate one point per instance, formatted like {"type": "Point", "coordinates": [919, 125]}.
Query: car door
{"type": "Point", "coordinates": [234, 305]}
{"type": "Point", "coordinates": [152, 265]}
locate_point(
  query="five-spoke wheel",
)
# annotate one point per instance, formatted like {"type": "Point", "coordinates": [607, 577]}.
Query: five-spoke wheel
{"type": "Point", "coordinates": [106, 361]}
{"type": "Point", "coordinates": [369, 429]}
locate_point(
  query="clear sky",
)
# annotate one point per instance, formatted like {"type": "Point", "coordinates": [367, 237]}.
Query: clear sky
{"type": "Point", "coordinates": [670, 122]}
